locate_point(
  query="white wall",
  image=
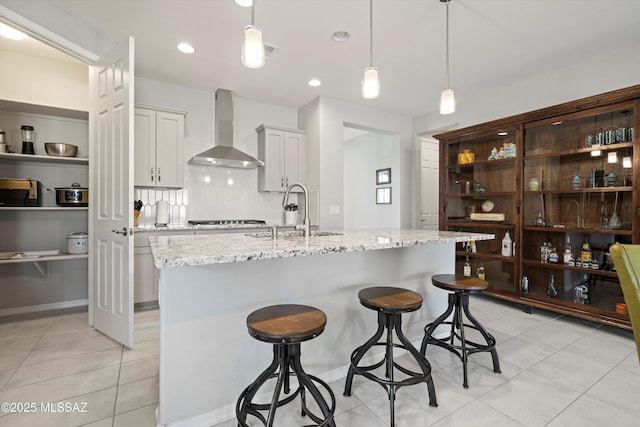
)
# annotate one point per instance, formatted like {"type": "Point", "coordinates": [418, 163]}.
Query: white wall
{"type": "Point", "coordinates": [602, 72]}
{"type": "Point", "coordinates": [364, 155]}
{"type": "Point", "coordinates": [324, 119]}
{"type": "Point", "coordinates": [207, 193]}
{"type": "Point", "coordinates": [65, 85]}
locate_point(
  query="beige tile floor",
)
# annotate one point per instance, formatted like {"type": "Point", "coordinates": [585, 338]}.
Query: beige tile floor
{"type": "Point", "coordinates": [556, 371]}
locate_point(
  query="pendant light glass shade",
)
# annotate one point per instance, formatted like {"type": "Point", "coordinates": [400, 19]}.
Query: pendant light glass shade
{"type": "Point", "coordinates": [252, 47]}
{"type": "Point", "coordinates": [370, 83]}
{"type": "Point", "coordinates": [244, 3]}
{"type": "Point", "coordinates": [447, 102]}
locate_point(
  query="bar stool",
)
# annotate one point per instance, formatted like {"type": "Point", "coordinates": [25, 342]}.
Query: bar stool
{"type": "Point", "coordinates": [390, 303]}
{"type": "Point", "coordinates": [461, 287]}
{"type": "Point", "coordinates": [286, 326]}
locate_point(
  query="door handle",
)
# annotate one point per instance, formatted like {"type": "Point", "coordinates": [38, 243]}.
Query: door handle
{"type": "Point", "coordinates": [159, 176]}
{"type": "Point", "coordinates": [124, 231]}
{"type": "Point", "coordinates": [151, 174]}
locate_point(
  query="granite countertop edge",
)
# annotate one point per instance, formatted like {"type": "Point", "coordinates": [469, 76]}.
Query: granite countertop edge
{"type": "Point", "coordinates": [171, 251]}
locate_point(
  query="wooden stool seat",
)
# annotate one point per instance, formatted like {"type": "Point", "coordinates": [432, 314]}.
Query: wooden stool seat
{"type": "Point", "coordinates": [452, 282]}
{"type": "Point", "coordinates": [390, 299]}
{"type": "Point", "coordinates": [286, 326]}
{"type": "Point", "coordinates": [286, 323]}
{"type": "Point", "coordinates": [390, 303]}
{"type": "Point", "coordinates": [454, 316]}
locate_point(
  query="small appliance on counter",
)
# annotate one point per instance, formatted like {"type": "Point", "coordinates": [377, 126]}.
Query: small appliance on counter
{"type": "Point", "coordinates": [20, 192]}
{"type": "Point", "coordinates": [27, 139]}
{"type": "Point", "coordinates": [225, 221]}
{"type": "Point", "coordinates": [74, 196]}
{"type": "Point", "coordinates": [162, 213]}
{"type": "Point", "coordinates": [78, 243]}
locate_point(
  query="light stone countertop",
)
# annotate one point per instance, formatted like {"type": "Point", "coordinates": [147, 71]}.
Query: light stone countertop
{"type": "Point", "coordinates": [189, 227]}
{"type": "Point", "coordinates": [189, 250]}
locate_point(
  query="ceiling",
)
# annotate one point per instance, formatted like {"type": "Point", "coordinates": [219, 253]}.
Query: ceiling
{"type": "Point", "coordinates": [492, 42]}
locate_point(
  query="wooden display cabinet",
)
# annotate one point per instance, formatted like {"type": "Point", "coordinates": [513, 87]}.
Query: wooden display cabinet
{"type": "Point", "coordinates": [566, 173]}
{"type": "Point", "coordinates": [482, 196]}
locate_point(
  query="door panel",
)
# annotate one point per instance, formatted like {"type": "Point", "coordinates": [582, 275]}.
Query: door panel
{"type": "Point", "coordinates": [111, 179]}
{"type": "Point", "coordinates": [429, 173]}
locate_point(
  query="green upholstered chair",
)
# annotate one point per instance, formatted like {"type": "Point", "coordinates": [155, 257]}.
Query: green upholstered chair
{"type": "Point", "coordinates": [626, 258]}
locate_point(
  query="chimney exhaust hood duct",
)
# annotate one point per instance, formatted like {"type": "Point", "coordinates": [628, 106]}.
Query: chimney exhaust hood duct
{"type": "Point", "coordinates": [223, 154]}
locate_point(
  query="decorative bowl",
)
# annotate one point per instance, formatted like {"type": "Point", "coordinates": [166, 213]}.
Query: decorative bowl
{"type": "Point", "coordinates": [60, 149]}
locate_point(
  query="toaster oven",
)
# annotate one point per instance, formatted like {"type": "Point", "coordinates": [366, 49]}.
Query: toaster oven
{"type": "Point", "coordinates": [20, 192]}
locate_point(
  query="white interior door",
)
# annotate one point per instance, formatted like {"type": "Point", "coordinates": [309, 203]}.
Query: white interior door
{"type": "Point", "coordinates": [429, 177]}
{"type": "Point", "coordinates": [111, 186]}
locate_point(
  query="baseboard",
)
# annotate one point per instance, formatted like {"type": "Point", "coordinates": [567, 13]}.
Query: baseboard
{"type": "Point", "coordinates": [43, 307]}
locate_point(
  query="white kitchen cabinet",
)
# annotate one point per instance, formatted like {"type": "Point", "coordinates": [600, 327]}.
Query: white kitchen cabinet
{"type": "Point", "coordinates": [283, 153]}
{"type": "Point", "coordinates": [159, 147]}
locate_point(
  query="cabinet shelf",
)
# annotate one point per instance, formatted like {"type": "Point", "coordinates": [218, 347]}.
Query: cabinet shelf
{"type": "Point", "coordinates": [579, 151]}
{"type": "Point", "coordinates": [42, 263]}
{"type": "Point", "coordinates": [562, 230]}
{"type": "Point", "coordinates": [35, 158]}
{"type": "Point", "coordinates": [605, 309]}
{"type": "Point", "coordinates": [481, 163]}
{"type": "Point", "coordinates": [453, 223]}
{"type": "Point", "coordinates": [560, 266]}
{"type": "Point", "coordinates": [484, 195]}
{"type": "Point", "coordinates": [627, 188]}
{"type": "Point", "coordinates": [43, 208]}
{"type": "Point", "coordinates": [489, 256]}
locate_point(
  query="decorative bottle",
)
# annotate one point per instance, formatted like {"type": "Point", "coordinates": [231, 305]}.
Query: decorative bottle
{"type": "Point", "coordinates": [585, 283]}
{"type": "Point", "coordinates": [466, 271]}
{"type": "Point", "coordinates": [568, 252]}
{"type": "Point", "coordinates": [539, 221]}
{"type": "Point", "coordinates": [585, 252]}
{"type": "Point", "coordinates": [551, 287]}
{"type": "Point", "coordinates": [507, 244]}
{"type": "Point", "coordinates": [481, 273]}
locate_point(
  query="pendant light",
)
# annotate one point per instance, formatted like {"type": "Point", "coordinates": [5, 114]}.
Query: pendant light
{"type": "Point", "coordinates": [370, 81]}
{"type": "Point", "coordinates": [252, 45]}
{"type": "Point", "coordinates": [447, 99]}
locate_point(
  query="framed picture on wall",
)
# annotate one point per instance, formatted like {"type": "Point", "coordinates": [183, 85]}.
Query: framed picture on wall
{"type": "Point", "coordinates": [383, 196]}
{"type": "Point", "coordinates": [383, 176]}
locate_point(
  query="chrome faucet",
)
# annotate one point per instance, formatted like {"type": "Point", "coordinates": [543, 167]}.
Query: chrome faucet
{"type": "Point", "coordinates": [305, 222]}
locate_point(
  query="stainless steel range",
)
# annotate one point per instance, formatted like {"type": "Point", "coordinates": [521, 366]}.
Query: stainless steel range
{"type": "Point", "coordinates": [225, 221]}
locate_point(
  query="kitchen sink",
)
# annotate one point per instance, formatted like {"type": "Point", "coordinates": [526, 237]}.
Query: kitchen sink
{"type": "Point", "coordinates": [293, 233]}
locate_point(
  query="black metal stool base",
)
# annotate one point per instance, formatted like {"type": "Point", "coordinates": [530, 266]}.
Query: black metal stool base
{"type": "Point", "coordinates": [391, 322]}
{"type": "Point", "coordinates": [286, 362]}
{"type": "Point", "coordinates": [456, 342]}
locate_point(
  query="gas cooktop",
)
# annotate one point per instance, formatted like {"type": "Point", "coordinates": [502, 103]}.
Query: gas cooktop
{"type": "Point", "coordinates": [225, 221]}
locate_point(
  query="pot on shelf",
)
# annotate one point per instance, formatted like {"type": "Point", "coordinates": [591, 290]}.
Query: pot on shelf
{"type": "Point", "coordinates": [72, 196]}
{"type": "Point", "coordinates": [466, 157]}
{"type": "Point", "coordinates": [78, 243]}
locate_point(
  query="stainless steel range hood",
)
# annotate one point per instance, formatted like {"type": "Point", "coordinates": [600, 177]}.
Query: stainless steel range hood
{"type": "Point", "coordinates": [223, 154]}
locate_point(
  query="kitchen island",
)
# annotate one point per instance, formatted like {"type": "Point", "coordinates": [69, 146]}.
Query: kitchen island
{"type": "Point", "coordinates": [210, 283]}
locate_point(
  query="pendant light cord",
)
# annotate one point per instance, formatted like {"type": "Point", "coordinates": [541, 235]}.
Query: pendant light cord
{"type": "Point", "coordinates": [447, 47]}
{"type": "Point", "coordinates": [371, 32]}
{"type": "Point", "coordinates": [253, 14]}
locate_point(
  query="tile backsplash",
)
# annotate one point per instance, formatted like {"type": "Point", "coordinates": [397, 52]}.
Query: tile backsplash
{"type": "Point", "coordinates": [214, 193]}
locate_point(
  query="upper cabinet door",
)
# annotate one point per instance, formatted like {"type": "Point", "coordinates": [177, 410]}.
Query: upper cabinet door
{"type": "Point", "coordinates": [283, 153]}
{"type": "Point", "coordinates": [145, 148]}
{"type": "Point", "coordinates": [169, 150]}
{"type": "Point", "coordinates": [159, 148]}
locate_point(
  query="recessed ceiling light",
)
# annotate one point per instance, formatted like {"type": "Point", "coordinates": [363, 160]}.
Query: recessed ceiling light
{"type": "Point", "coordinates": [11, 33]}
{"type": "Point", "coordinates": [556, 123]}
{"type": "Point", "coordinates": [340, 36]}
{"type": "Point", "coordinates": [314, 82]}
{"type": "Point", "coordinates": [186, 48]}
{"type": "Point", "coordinates": [244, 3]}
{"type": "Point", "coordinates": [503, 133]}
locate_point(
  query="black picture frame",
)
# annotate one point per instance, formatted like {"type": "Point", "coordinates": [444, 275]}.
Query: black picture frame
{"type": "Point", "coordinates": [383, 196]}
{"type": "Point", "coordinates": [383, 176]}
